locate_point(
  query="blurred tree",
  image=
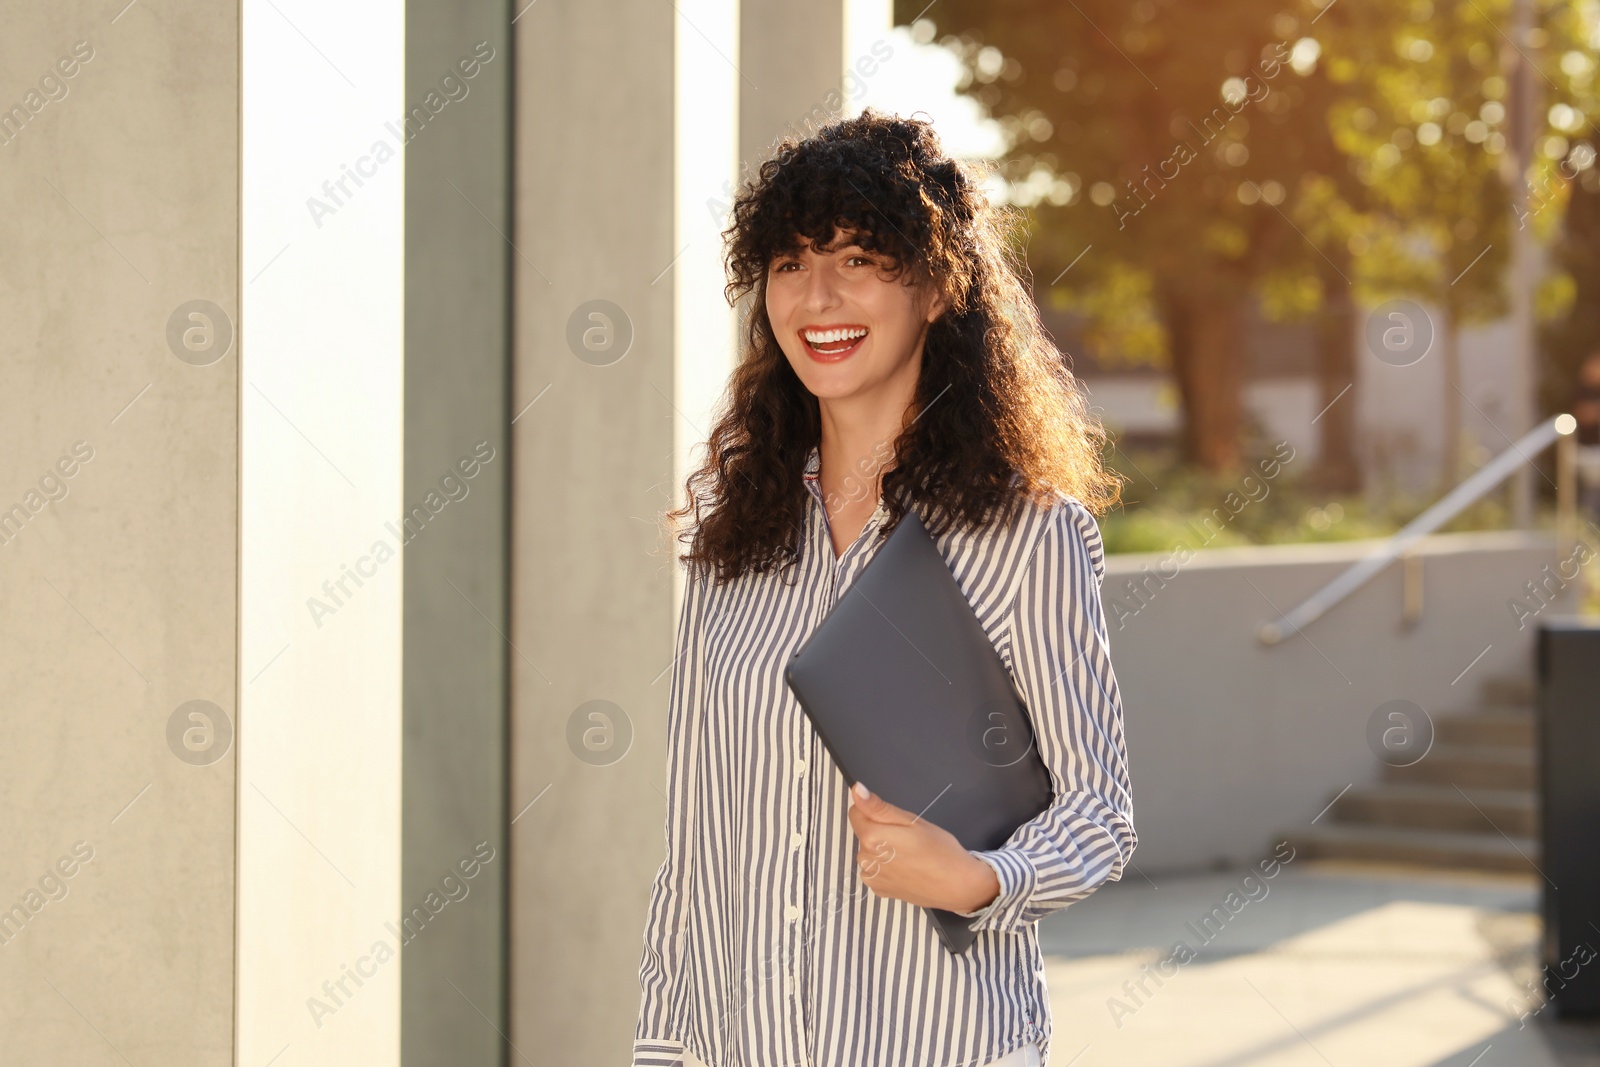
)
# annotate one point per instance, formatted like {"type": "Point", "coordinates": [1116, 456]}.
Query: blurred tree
{"type": "Point", "coordinates": [1296, 149]}
{"type": "Point", "coordinates": [1421, 116]}
{"type": "Point", "coordinates": [1429, 110]}
{"type": "Point", "coordinates": [1569, 184]}
{"type": "Point", "coordinates": [1133, 128]}
{"type": "Point", "coordinates": [1574, 300]}
{"type": "Point", "coordinates": [1182, 161]}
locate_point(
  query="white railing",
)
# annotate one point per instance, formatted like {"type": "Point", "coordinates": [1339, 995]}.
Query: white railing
{"type": "Point", "coordinates": [1556, 428]}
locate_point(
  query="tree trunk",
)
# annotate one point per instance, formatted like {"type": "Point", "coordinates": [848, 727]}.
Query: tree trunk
{"type": "Point", "coordinates": [1338, 467]}
{"type": "Point", "coordinates": [1207, 344]}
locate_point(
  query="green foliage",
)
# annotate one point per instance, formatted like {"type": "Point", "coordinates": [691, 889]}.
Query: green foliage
{"type": "Point", "coordinates": [1168, 503]}
{"type": "Point", "coordinates": [1273, 149]}
{"type": "Point", "coordinates": [1119, 309]}
{"type": "Point", "coordinates": [1291, 294]}
{"type": "Point", "coordinates": [1152, 125]}
{"type": "Point", "coordinates": [1555, 296]}
{"type": "Point", "coordinates": [1571, 304]}
{"type": "Point", "coordinates": [1422, 123]}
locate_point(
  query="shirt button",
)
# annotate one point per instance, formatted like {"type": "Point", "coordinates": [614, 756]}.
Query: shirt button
{"type": "Point", "coordinates": [799, 768]}
{"type": "Point", "coordinates": [796, 840]}
{"type": "Point", "coordinates": [792, 912]}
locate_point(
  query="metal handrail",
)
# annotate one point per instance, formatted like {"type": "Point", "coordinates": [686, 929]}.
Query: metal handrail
{"type": "Point", "coordinates": [1485, 478]}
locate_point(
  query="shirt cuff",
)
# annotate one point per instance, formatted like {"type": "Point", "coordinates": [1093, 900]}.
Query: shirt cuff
{"type": "Point", "coordinates": [989, 907]}
{"type": "Point", "coordinates": [1017, 879]}
{"type": "Point", "coordinates": [657, 1052]}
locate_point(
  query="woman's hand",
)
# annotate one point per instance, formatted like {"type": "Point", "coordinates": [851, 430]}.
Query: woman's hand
{"type": "Point", "coordinates": [911, 859]}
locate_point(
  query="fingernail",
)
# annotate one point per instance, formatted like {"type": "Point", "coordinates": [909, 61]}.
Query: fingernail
{"type": "Point", "coordinates": [861, 791]}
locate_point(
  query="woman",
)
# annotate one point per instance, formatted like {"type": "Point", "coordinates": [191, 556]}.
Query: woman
{"type": "Point", "coordinates": [893, 360]}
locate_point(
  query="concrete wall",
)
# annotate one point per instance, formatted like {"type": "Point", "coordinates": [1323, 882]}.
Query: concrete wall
{"type": "Point", "coordinates": [1147, 405]}
{"type": "Point", "coordinates": [1230, 740]}
{"type": "Point", "coordinates": [1401, 409]}
{"type": "Point", "coordinates": [119, 573]}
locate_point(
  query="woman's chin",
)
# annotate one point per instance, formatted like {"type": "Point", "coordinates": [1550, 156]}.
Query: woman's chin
{"type": "Point", "coordinates": [829, 382]}
{"type": "Point", "coordinates": [833, 389]}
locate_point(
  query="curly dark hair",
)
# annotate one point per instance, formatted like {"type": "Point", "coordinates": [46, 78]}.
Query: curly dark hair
{"type": "Point", "coordinates": [997, 415]}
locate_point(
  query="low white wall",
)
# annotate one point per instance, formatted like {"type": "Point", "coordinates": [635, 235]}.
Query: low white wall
{"type": "Point", "coordinates": [1231, 741]}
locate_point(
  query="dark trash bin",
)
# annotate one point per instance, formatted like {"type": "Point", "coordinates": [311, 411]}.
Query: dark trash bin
{"type": "Point", "coordinates": [1568, 679]}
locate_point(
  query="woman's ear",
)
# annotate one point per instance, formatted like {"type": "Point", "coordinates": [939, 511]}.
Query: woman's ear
{"type": "Point", "coordinates": [938, 303]}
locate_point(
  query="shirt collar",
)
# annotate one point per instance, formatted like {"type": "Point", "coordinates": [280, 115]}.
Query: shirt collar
{"type": "Point", "coordinates": [813, 481]}
{"type": "Point", "coordinates": [813, 476]}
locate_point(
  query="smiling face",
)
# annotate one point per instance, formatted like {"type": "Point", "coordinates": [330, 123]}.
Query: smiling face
{"type": "Point", "coordinates": [847, 327]}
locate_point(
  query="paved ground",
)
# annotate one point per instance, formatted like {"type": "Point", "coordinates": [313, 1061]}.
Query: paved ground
{"type": "Point", "coordinates": [1323, 965]}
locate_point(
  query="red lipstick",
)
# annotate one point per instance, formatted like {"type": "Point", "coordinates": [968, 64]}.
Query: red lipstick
{"type": "Point", "coordinates": [832, 343]}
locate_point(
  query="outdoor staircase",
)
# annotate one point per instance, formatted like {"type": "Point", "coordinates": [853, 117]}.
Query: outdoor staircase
{"type": "Point", "coordinates": [1470, 803]}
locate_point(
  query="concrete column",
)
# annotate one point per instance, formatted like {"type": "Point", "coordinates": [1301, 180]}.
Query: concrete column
{"type": "Point", "coordinates": [119, 563]}
{"type": "Point", "coordinates": [457, 585]}
{"type": "Point", "coordinates": [811, 64]}
{"type": "Point", "coordinates": [185, 533]}
{"type": "Point", "coordinates": [796, 53]}
{"type": "Point", "coordinates": [625, 131]}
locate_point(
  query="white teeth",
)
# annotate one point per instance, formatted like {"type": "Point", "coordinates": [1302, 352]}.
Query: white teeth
{"type": "Point", "coordinates": [823, 337]}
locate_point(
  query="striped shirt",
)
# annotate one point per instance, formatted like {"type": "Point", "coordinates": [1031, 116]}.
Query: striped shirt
{"type": "Point", "coordinates": [762, 946]}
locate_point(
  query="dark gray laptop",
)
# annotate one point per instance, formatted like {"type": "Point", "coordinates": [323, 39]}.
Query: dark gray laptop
{"type": "Point", "coordinates": [902, 685]}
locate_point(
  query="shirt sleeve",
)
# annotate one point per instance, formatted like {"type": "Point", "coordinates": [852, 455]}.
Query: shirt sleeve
{"type": "Point", "coordinates": [666, 934]}
{"type": "Point", "coordinates": [1060, 658]}
{"type": "Point", "coordinates": [986, 909]}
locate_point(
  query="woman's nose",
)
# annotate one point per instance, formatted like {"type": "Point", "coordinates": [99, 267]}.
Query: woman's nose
{"type": "Point", "coordinates": [822, 291]}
